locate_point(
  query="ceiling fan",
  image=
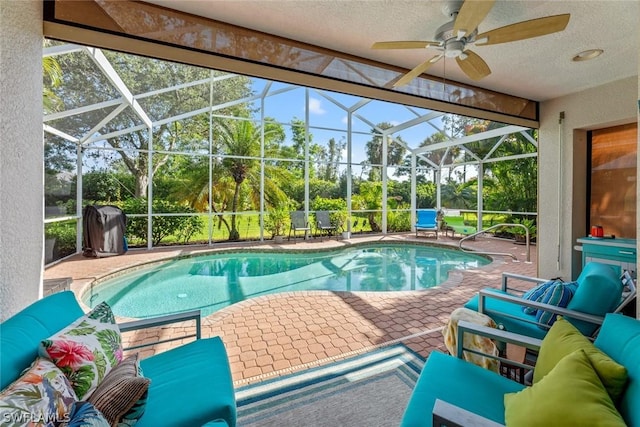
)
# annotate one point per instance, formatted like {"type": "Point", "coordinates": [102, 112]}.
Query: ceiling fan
{"type": "Point", "coordinates": [454, 38]}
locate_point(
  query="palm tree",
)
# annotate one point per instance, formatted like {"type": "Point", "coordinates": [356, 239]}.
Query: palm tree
{"type": "Point", "coordinates": [52, 78]}
{"type": "Point", "coordinates": [459, 196]}
{"type": "Point", "coordinates": [236, 178]}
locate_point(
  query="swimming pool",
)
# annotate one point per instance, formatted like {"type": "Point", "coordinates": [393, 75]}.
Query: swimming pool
{"type": "Point", "coordinates": [214, 281]}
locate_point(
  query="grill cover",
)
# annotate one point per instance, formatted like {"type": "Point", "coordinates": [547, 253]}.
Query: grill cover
{"type": "Point", "coordinates": [103, 231]}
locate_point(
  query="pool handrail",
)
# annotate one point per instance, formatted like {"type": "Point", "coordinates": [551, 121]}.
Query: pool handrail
{"type": "Point", "coordinates": [515, 259]}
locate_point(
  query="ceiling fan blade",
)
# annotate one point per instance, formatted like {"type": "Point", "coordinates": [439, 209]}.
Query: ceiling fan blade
{"type": "Point", "coordinates": [417, 71]}
{"type": "Point", "coordinates": [524, 30]}
{"type": "Point", "coordinates": [473, 66]}
{"type": "Point", "coordinates": [409, 44]}
{"type": "Point", "coordinates": [471, 15]}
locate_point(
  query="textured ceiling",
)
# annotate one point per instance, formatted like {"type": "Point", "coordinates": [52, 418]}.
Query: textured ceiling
{"type": "Point", "coordinates": [538, 69]}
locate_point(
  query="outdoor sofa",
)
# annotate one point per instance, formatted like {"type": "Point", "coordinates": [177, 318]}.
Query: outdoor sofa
{"type": "Point", "coordinates": [190, 385]}
{"type": "Point", "coordinates": [575, 382]}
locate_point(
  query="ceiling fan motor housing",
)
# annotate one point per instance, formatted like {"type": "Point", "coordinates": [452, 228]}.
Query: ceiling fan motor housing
{"type": "Point", "coordinates": [453, 46]}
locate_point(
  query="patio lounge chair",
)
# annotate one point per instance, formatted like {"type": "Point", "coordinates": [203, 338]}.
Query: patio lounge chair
{"type": "Point", "coordinates": [456, 225]}
{"type": "Point", "coordinates": [598, 291]}
{"type": "Point", "coordinates": [323, 224]}
{"type": "Point", "coordinates": [427, 221]}
{"type": "Point", "coordinates": [298, 223]}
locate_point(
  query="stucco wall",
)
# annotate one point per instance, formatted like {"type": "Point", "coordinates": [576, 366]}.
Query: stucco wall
{"type": "Point", "coordinates": [562, 168]}
{"type": "Point", "coordinates": [21, 154]}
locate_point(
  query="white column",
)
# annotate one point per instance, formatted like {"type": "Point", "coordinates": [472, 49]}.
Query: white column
{"type": "Point", "coordinates": [21, 156]}
{"type": "Point", "coordinates": [413, 192]}
{"type": "Point", "coordinates": [438, 176]}
{"type": "Point", "coordinates": [349, 157]}
{"type": "Point", "coordinates": [150, 191]}
{"type": "Point", "coordinates": [79, 193]}
{"type": "Point", "coordinates": [480, 202]}
{"type": "Point", "coordinates": [384, 182]}
{"type": "Point", "coordinates": [306, 156]}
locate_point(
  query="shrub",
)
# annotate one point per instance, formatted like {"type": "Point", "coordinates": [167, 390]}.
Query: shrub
{"type": "Point", "coordinates": [276, 220]}
{"type": "Point", "coordinates": [64, 234]}
{"type": "Point", "coordinates": [337, 207]}
{"type": "Point", "coordinates": [182, 227]}
{"type": "Point", "coordinates": [398, 221]}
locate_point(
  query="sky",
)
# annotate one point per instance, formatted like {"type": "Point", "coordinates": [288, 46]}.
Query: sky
{"type": "Point", "coordinates": [329, 120]}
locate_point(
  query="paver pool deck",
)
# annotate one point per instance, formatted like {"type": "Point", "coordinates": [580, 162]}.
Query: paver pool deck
{"type": "Point", "coordinates": [283, 333]}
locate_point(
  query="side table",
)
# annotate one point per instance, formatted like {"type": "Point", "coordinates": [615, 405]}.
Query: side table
{"type": "Point", "coordinates": [517, 354]}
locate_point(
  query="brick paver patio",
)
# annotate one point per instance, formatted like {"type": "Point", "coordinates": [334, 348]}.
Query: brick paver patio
{"type": "Point", "coordinates": [277, 334]}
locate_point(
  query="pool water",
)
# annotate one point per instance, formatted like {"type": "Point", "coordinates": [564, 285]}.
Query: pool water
{"type": "Point", "coordinates": [215, 281]}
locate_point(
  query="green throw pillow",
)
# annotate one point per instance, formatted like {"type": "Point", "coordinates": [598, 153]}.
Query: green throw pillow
{"type": "Point", "coordinates": [570, 395]}
{"type": "Point", "coordinates": [562, 339]}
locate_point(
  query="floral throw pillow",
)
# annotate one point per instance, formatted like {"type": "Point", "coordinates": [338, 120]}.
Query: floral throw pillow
{"type": "Point", "coordinates": [42, 396]}
{"type": "Point", "coordinates": [86, 350]}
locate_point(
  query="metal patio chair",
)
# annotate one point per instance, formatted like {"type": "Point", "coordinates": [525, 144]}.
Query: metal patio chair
{"type": "Point", "coordinates": [323, 224]}
{"type": "Point", "coordinates": [298, 223]}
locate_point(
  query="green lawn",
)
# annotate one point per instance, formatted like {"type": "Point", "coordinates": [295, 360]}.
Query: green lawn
{"type": "Point", "coordinates": [248, 225]}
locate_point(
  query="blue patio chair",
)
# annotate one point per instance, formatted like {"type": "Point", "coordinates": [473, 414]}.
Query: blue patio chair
{"type": "Point", "coordinates": [427, 221]}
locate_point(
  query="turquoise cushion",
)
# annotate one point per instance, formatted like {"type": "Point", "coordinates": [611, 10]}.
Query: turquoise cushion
{"type": "Point", "coordinates": [536, 294]}
{"type": "Point", "coordinates": [190, 386]}
{"type": "Point", "coordinates": [559, 295]}
{"type": "Point", "coordinates": [619, 338]}
{"type": "Point", "coordinates": [460, 383]}
{"type": "Point", "coordinates": [509, 315]}
{"type": "Point", "coordinates": [20, 335]}
{"type": "Point", "coordinates": [599, 292]}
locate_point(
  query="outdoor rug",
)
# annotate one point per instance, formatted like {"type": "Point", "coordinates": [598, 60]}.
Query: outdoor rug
{"type": "Point", "coordinates": [367, 390]}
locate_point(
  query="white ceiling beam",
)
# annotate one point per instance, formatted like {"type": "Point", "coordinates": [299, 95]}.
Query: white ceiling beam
{"type": "Point", "coordinates": [531, 139]}
{"type": "Point", "coordinates": [473, 138]}
{"type": "Point", "coordinates": [172, 88]}
{"type": "Point", "coordinates": [103, 122]}
{"type": "Point", "coordinates": [359, 104]}
{"type": "Point", "coordinates": [101, 61]}
{"type": "Point", "coordinates": [59, 133]}
{"type": "Point", "coordinates": [115, 134]}
{"type": "Point", "coordinates": [495, 147]}
{"type": "Point", "coordinates": [81, 110]}
{"type": "Point", "coordinates": [60, 49]}
{"type": "Point", "coordinates": [425, 118]}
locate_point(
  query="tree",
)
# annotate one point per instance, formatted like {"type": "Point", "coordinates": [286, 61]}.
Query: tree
{"type": "Point", "coordinates": [52, 77]}
{"type": "Point", "coordinates": [371, 200]}
{"type": "Point", "coordinates": [459, 195]}
{"type": "Point", "coordinates": [236, 183]}
{"type": "Point", "coordinates": [515, 182]}
{"type": "Point", "coordinates": [395, 151]}
{"type": "Point", "coordinates": [84, 83]}
{"type": "Point", "coordinates": [435, 156]}
{"type": "Point", "coordinates": [333, 157]}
